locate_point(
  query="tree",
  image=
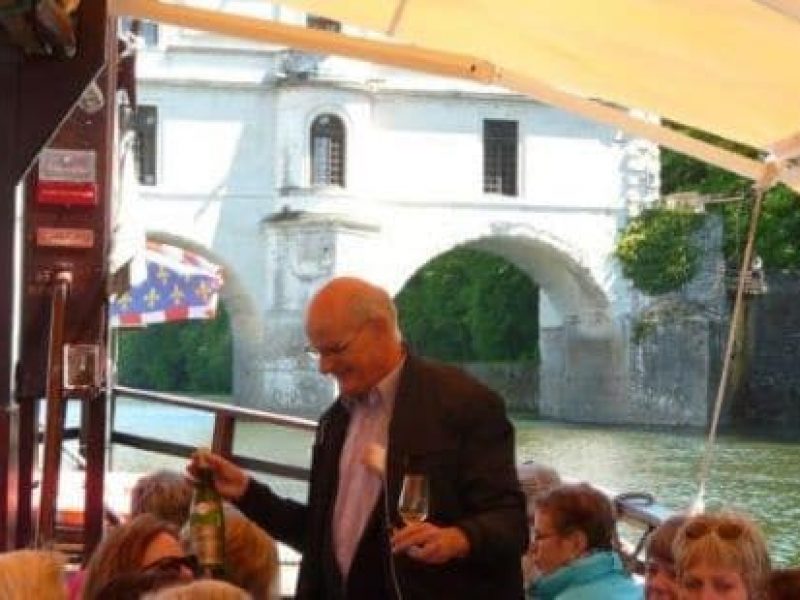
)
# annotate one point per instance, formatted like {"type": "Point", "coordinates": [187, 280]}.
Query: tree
{"type": "Point", "coordinates": [470, 306]}
{"type": "Point", "coordinates": [778, 235]}
{"type": "Point", "coordinates": [192, 356]}
{"type": "Point", "coordinates": [657, 251]}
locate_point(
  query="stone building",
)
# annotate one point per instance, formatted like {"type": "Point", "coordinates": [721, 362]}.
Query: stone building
{"type": "Point", "coordinates": [288, 168]}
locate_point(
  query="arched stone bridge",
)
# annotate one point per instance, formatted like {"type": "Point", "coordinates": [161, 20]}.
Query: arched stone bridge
{"type": "Point", "coordinates": [233, 177]}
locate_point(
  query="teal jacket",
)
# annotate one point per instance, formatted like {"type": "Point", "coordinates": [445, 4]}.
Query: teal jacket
{"type": "Point", "coordinates": [594, 577]}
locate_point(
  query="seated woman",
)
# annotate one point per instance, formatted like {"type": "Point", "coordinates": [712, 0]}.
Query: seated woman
{"type": "Point", "coordinates": [165, 494]}
{"type": "Point", "coordinates": [26, 574]}
{"type": "Point", "coordinates": [784, 584]}
{"type": "Point", "coordinates": [203, 589]}
{"type": "Point", "coordinates": [536, 480]}
{"type": "Point", "coordinates": [721, 556]}
{"type": "Point", "coordinates": [145, 551]}
{"type": "Point", "coordinates": [251, 556]}
{"type": "Point", "coordinates": [659, 575]}
{"type": "Point", "coordinates": [573, 547]}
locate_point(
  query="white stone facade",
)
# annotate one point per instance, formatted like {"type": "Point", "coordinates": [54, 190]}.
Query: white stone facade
{"type": "Point", "coordinates": [233, 180]}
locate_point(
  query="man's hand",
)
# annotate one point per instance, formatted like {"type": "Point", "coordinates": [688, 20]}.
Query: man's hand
{"type": "Point", "coordinates": [428, 543]}
{"type": "Point", "coordinates": [231, 481]}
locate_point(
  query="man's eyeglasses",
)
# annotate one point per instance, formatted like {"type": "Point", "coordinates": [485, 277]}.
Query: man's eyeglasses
{"type": "Point", "coordinates": [173, 564]}
{"type": "Point", "coordinates": [538, 536]}
{"type": "Point", "coordinates": [726, 530]}
{"type": "Point", "coordinates": [334, 349]}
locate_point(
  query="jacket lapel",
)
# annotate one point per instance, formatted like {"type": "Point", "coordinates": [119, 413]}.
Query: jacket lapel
{"type": "Point", "coordinates": [402, 431]}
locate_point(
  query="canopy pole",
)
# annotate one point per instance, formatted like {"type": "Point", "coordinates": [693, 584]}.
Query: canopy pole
{"type": "Point", "coordinates": [744, 269]}
{"type": "Point", "coordinates": [390, 53]}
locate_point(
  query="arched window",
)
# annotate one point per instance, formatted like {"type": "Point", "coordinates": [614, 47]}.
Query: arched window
{"type": "Point", "coordinates": [327, 151]}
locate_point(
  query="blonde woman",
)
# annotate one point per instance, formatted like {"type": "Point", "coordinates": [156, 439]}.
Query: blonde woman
{"type": "Point", "coordinates": [721, 557]}
{"type": "Point", "coordinates": [203, 589]}
{"type": "Point", "coordinates": [251, 556]}
{"type": "Point", "coordinates": [26, 574]}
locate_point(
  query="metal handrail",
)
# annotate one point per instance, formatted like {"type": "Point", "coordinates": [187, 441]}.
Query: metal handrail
{"type": "Point", "coordinates": [225, 418]}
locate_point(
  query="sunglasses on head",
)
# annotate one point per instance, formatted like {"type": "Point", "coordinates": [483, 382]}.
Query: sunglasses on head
{"type": "Point", "coordinates": [725, 530]}
{"type": "Point", "coordinates": [170, 564]}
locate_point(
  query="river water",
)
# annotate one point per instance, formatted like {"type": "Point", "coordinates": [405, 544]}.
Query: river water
{"type": "Point", "coordinates": [759, 476]}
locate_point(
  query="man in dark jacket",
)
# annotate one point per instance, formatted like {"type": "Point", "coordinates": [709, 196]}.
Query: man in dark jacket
{"type": "Point", "coordinates": [396, 414]}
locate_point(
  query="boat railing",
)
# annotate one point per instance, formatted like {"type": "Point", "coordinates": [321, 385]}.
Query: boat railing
{"type": "Point", "coordinates": [638, 510]}
{"type": "Point", "coordinates": [226, 417]}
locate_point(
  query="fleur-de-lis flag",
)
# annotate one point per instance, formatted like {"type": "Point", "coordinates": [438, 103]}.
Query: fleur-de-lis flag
{"type": "Point", "coordinates": [180, 285]}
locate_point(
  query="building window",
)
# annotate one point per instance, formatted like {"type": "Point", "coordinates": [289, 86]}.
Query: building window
{"type": "Point", "coordinates": [327, 151]}
{"type": "Point", "coordinates": [500, 142]}
{"type": "Point", "coordinates": [315, 22]}
{"type": "Point", "coordinates": [146, 124]}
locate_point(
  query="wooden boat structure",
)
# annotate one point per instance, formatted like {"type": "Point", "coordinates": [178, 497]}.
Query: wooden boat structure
{"type": "Point", "coordinates": [61, 67]}
{"type": "Point", "coordinates": [638, 513]}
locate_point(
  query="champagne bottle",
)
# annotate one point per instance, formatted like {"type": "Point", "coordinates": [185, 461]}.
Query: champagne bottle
{"type": "Point", "coordinates": [207, 523]}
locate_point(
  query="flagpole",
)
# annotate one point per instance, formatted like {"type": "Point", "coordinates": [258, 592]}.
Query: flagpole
{"type": "Point", "coordinates": [111, 372]}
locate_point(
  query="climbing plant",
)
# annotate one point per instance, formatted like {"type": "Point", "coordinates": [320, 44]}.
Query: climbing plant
{"type": "Point", "coordinates": [657, 251]}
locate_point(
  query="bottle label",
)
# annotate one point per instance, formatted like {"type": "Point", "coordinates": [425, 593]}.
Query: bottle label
{"type": "Point", "coordinates": [207, 545]}
{"type": "Point", "coordinates": [202, 508]}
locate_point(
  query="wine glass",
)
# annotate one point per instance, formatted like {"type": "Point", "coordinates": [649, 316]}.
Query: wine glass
{"type": "Point", "coordinates": [414, 498]}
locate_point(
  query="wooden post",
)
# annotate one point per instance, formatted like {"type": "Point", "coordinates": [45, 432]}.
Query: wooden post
{"type": "Point", "coordinates": [9, 83]}
{"type": "Point", "coordinates": [224, 428]}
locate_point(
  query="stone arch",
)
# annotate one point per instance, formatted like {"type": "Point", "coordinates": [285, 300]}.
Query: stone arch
{"type": "Point", "coordinates": [245, 317]}
{"type": "Point", "coordinates": [583, 365]}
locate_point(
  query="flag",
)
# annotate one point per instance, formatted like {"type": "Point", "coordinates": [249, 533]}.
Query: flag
{"type": "Point", "coordinates": [180, 285]}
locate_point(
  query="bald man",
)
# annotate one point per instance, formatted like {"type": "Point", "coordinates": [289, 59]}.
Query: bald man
{"type": "Point", "coordinates": [396, 413]}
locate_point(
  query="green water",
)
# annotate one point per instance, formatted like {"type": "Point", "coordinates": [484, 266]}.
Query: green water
{"type": "Point", "coordinates": [760, 477]}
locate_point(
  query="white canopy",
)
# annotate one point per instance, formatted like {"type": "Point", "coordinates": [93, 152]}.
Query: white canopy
{"type": "Point", "coordinates": [728, 67]}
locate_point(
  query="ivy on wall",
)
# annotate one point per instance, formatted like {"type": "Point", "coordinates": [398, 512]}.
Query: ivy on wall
{"type": "Point", "coordinates": [657, 250]}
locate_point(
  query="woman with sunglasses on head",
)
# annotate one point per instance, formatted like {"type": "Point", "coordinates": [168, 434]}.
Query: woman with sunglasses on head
{"type": "Point", "coordinates": [573, 542]}
{"type": "Point", "coordinates": [721, 557]}
{"type": "Point", "coordinates": [660, 582]}
{"type": "Point", "coordinates": [144, 552]}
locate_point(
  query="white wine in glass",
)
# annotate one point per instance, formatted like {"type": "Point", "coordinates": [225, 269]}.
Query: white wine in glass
{"type": "Point", "coordinates": [414, 499]}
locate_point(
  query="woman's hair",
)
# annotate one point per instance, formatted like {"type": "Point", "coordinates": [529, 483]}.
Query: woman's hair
{"type": "Point", "coordinates": [163, 493]}
{"type": "Point", "coordinates": [28, 574]}
{"type": "Point", "coordinates": [784, 584]}
{"type": "Point", "coordinates": [659, 542]}
{"type": "Point", "coordinates": [121, 552]}
{"type": "Point", "coordinates": [203, 589]}
{"type": "Point", "coordinates": [580, 507]}
{"type": "Point", "coordinates": [726, 540]}
{"type": "Point", "coordinates": [251, 556]}
{"type": "Point", "coordinates": [131, 586]}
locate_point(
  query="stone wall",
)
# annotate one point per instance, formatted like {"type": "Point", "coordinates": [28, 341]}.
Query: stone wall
{"type": "Point", "coordinates": [677, 341]}
{"type": "Point", "coordinates": [769, 394]}
{"type": "Point", "coordinates": [516, 382]}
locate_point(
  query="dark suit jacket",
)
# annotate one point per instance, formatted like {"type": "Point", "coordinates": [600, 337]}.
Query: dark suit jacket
{"type": "Point", "coordinates": [450, 426]}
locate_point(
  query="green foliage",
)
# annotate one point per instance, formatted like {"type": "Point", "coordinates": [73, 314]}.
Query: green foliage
{"type": "Point", "coordinates": [657, 252]}
{"type": "Point", "coordinates": [642, 328]}
{"type": "Point", "coordinates": [193, 356]}
{"type": "Point", "coordinates": [778, 235]}
{"type": "Point", "coordinates": [470, 306]}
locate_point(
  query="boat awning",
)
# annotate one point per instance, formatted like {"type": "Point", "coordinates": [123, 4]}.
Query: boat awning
{"type": "Point", "coordinates": [723, 66]}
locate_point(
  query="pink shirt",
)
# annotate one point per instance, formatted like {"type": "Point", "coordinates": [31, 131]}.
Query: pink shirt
{"type": "Point", "coordinates": [360, 484]}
